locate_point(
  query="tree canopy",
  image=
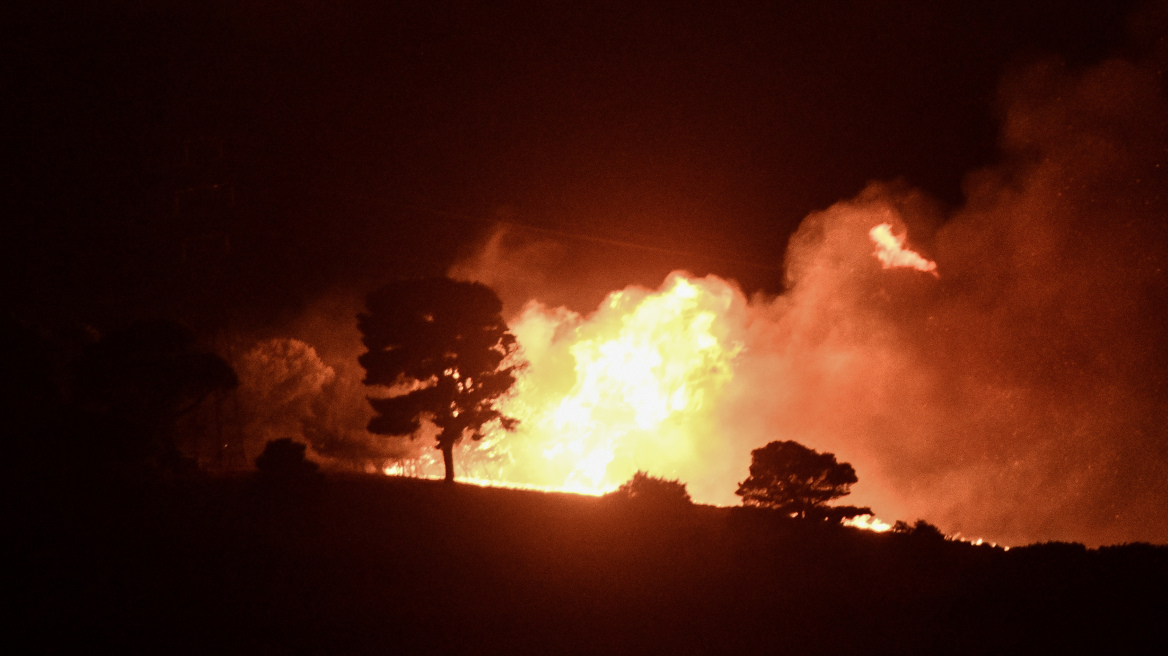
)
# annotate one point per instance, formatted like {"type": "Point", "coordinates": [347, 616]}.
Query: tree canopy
{"type": "Point", "coordinates": [145, 377]}
{"type": "Point", "coordinates": [285, 458]}
{"type": "Point", "coordinates": [790, 477]}
{"type": "Point", "coordinates": [446, 342]}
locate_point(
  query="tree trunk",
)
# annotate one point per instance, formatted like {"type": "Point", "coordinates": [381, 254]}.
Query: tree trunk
{"type": "Point", "coordinates": [448, 459]}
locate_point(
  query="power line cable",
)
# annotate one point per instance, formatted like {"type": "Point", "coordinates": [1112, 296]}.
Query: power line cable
{"type": "Point", "coordinates": [609, 241]}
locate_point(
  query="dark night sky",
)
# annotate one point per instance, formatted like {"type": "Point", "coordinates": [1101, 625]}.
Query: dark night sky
{"type": "Point", "coordinates": [376, 139]}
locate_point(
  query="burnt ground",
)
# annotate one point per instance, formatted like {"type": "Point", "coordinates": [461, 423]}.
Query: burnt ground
{"type": "Point", "coordinates": [356, 564]}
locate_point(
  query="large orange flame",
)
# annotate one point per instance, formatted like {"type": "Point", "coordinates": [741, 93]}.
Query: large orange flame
{"type": "Point", "coordinates": [630, 387]}
{"type": "Point", "coordinates": [642, 383]}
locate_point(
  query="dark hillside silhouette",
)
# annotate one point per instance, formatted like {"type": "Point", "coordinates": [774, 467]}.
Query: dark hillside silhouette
{"type": "Point", "coordinates": [449, 341]}
{"type": "Point", "coordinates": [222, 565]}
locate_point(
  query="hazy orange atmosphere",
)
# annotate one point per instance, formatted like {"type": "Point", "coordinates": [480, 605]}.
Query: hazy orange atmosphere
{"type": "Point", "coordinates": [928, 239]}
{"type": "Point", "coordinates": [995, 368]}
{"type": "Point", "coordinates": [946, 380]}
{"type": "Point", "coordinates": [605, 327]}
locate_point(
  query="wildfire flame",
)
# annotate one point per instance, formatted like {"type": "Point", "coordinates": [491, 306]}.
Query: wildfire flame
{"type": "Point", "coordinates": [868, 523]}
{"type": "Point", "coordinates": [630, 387]}
{"type": "Point", "coordinates": [639, 384]}
{"type": "Point", "coordinates": [891, 252]}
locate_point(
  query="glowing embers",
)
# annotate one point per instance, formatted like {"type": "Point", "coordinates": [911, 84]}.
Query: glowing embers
{"type": "Point", "coordinates": [632, 386]}
{"type": "Point", "coordinates": [891, 252]}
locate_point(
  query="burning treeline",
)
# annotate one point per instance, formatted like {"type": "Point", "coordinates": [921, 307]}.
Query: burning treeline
{"type": "Point", "coordinates": [1000, 373]}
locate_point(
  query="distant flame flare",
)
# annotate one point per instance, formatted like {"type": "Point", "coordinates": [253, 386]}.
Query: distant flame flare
{"type": "Point", "coordinates": [868, 523]}
{"type": "Point", "coordinates": [891, 252]}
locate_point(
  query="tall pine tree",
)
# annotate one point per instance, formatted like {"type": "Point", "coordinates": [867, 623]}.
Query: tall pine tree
{"type": "Point", "coordinates": [447, 341]}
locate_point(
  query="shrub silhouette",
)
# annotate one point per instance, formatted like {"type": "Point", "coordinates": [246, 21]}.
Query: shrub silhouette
{"type": "Point", "coordinates": [651, 491]}
{"type": "Point", "coordinates": [794, 479]}
{"type": "Point", "coordinates": [921, 530]}
{"type": "Point", "coordinates": [285, 458]}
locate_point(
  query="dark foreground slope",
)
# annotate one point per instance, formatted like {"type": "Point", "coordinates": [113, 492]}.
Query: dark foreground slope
{"type": "Point", "coordinates": [371, 564]}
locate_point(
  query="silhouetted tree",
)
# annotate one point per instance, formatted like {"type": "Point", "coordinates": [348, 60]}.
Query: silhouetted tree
{"type": "Point", "coordinates": [837, 513]}
{"type": "Point", "coordinates": [790, 477]}
{"type": "Point", "coordinates": [285, 457]}
{"type": "Point", "coordinates": [446, 341]}
{"type": "Point", "coordinates": [921, 530]}
{"type": "Point", "coordinates": [651, 491]}
{"type": "Point", "coordinates": [145, 378]}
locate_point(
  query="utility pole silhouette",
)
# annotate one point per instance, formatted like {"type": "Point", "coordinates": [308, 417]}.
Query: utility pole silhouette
{"type": "Point", "coordinates": [204, 214]}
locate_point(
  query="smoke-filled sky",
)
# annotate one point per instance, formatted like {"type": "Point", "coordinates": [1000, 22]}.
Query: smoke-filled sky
{"type": "Point", "coordinates": [1018, 395]}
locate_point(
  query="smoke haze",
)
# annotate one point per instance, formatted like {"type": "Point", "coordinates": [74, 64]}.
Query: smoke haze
{"type": "Point", "coordinates": [1017, 397]}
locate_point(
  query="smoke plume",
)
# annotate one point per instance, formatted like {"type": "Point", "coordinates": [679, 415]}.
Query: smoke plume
{"type": "Point", "coordinates": [1016, 395]}
{"type": "Point", "coordinates": [305, 384]}
{"type": "Point", "coordinates": [997, 369]}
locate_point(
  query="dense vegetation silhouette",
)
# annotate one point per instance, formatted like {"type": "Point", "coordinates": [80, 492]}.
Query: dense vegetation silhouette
{"type": "Point", "coordinates": [285, 458]}
{"type": "Point", "coordinates": [144, 378]}
{"type": "Point", "coordinates": [793, 479]}
{"type": "Point", "coordinates": [447, 343]}
{"type": "Point", "coordinates": [84, 400]}
{"type": "Point", "coordinates": [221, 565]}
{"type": "Point", "coordinates": [920, 530]}
{"type": "Point", "coordinates": [652, 492]}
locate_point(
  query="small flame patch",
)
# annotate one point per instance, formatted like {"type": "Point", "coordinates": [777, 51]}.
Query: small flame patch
{"type": "Point", "coordinates": [891, 252]}
{"type": "Point", "coordinates": [868, 523]}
